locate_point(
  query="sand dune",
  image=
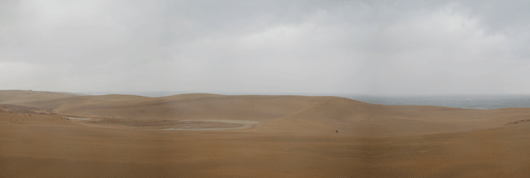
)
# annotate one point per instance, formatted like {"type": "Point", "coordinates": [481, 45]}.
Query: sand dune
{"type": "Point", "coordinates": [254, 136]}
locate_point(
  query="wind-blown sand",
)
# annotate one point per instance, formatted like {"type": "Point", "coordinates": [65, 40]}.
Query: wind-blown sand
{"type": "Point", "coordinates": [254, 136]}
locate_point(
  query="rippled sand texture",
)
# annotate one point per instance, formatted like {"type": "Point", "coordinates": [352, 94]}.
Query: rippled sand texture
{"type": "Point", "coordinates": [44, 134]}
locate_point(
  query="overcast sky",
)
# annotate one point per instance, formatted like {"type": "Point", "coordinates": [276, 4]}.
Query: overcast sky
{"type": "Point", "coordinates": [301, 46]}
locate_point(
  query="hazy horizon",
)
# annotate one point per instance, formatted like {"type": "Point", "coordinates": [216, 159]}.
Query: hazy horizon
{"type": "Point", "coordinates": [169, 93]}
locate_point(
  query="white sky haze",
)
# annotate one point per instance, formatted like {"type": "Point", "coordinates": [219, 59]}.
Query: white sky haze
{"type": "Point", "coordinates": [303, 46]}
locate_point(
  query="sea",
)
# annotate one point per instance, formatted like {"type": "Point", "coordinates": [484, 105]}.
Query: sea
{"type": "Point", "coordinates": [454, 101]}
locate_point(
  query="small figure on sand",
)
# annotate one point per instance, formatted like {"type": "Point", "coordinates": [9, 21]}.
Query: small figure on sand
{"type": "Point", "coordinates": [336, 131]}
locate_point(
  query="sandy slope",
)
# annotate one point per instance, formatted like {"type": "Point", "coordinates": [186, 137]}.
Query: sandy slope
{"type": "Point", "coordinates": [295, 137]}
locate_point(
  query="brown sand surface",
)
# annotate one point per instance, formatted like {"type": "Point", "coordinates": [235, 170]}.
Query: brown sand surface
{"type": "Point", "coordinates": [254, 136]}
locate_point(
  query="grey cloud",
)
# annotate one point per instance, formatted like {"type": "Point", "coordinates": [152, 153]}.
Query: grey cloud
{"type": "Point", "coordinates": [313, 46]}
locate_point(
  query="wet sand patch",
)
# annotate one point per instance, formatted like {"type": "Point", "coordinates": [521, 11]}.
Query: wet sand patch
{"type": "Point", "coordinates": [76, 118]}
{"type": "Point", "coordinates": [165, 124]}
{"type": "Point", "coordinates": [212, 125]}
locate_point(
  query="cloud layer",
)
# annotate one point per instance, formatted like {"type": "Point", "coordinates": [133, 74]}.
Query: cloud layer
{"type": "Point", "coordinates": [319, 46]}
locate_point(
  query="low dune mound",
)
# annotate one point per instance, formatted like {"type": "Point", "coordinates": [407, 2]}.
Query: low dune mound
{"type": "Point", "coordinates": [26, 117]}
{"type": "Point", "coordinates": [23, 109]}
{"type": "Point", "coordinates": [525, 121]}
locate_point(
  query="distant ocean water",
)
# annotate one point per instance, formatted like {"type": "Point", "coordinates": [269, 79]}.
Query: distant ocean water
{"type": "Point", "coordinates": [472, 102]}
